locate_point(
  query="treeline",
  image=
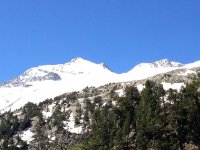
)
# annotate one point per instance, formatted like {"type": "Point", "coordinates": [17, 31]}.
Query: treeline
{"type": "Point", "coordinates": [152, 119]}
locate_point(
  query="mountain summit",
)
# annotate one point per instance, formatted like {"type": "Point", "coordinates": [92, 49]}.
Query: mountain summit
{"type": "Point", "coordinates": [76, 67]}
{"type": "Point", "coordinates": [145, 70]}
{"type": "Point", "coordinates": [166, 63]}
{"type": "Point", "coordinates": [163, 63]}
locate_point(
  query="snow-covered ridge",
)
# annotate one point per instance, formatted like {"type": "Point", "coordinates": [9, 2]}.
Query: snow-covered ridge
{"type": "Point", "coordinates": [48, 81]}
{"type": "Point", "coordinates": [75, 67]}
{"type": "Point", "coordinates": [145, 70]}
{"type": "Point", "coordinates": [163, 63]}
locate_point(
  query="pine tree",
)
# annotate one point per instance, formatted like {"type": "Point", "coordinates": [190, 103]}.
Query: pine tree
{"type": "Point", "coordinates": [58, 117]}
{"type": "Point", "coordinates": [148, 117]}
{"type": "Point", "coordinates": [191, 105]}
{"type": "Point", "coordinates": [125, 117]}
{"type": "Point", "coordinates": [178, 117]}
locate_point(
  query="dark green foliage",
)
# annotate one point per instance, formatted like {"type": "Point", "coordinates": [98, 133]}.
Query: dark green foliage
{"type": "Point", "coordinates": [111, 125]}
{"type": "Point", "coordinates": [78, 114]}
{"type": "Point", "coordinates": [72, 96]}
{"type": "Point", "coordinates": [9, 144]}
{"type": "Point", "coordinates": [148, 119]}
{"type": "Point", "coordinates": [89, 108]}
{"type": "Point", "coordinates": [58, 117]}
{"type": "Point", "coordinates": [8, 125]}
{"type": "Point", "coordinates": [98, 101]}
{"type": "Point", "coordinates": [154, 119]}
{"type": "Point", "coordinates": [29, 111]}
{"type": "Point", "coordinates": [45, 103]}
{"type": "Point", "coordinates": [102, 123]}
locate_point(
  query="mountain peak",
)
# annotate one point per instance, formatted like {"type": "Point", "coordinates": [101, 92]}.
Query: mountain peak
{"type": "Point", "coordinates": [78, 60]}
{"type": "Point", "coordinates": [165, 60]}
{"type": "Point", "coordinates": [88, 65]}
{"type": "Point", "coordinates": [163, 63]}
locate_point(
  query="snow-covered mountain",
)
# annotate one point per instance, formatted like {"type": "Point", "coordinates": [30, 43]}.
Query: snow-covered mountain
{"type": "Point", "coordinates": [163, 63]}
{"type": "Point", "coordinates": [77, 68]}
{"type": "Point", "coordinates": [42, 82]}
{"type": "Point", "coordinates": [145, 70]}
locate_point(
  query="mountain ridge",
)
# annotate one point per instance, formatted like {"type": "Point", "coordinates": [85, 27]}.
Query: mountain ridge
{"type": "Point", "coordinates": [163, 63]}
{"type": "Point", "coordinates": [48, 81]}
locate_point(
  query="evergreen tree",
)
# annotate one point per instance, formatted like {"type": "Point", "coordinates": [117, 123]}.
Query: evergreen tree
{"type": "Point", "coordinates": [58, 117]}
{"type": "Point", "coordinates": [148, 116]}
{"type": "Point", "coordinates": [191, 106]}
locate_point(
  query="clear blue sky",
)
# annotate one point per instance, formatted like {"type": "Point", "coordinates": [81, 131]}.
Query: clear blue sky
{"type": "Point", "coordinates": [120, 33]}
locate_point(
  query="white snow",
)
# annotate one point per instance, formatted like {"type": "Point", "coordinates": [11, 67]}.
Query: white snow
{"type": "Point", "coordinates": [176, 86]}
{"type": "Point", "coordinates": [27, 136]}
{"type": "Point", "coordinates": [166, 86]}
{"type": "Point", "coordinates": [145, 70]}
{"type": "Point", "coordinates": [114, 103]}
{"type": "Point", "coordinates": [71, 127]}
{"type": "Point", "coordinates": [140, 87]}
{"type": "Point", "coordinates": [187, 72]}
{"type": "Point", "coordinates": [192, 65]}
{"type": "Point", "coordinates": [120, 92]}
{"type": "Point", "coordinates": [46, 114]}
{"type": "Point", "coordinates": [53, 138]}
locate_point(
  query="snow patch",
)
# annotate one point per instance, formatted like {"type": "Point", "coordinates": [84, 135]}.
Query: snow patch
{"type": "Point", "coordinates": [71, 127]}
{"type": "Point", "coordinates": [46, 114]}
{"type": "Point", "coordinates": [187, 72]}
{"type": "Point", "coordinates": [120, 92]}
{"type": "Point", "coordinates": [27, 136]}
{"type": "Point", "coordinates": [176, 86]}
{"type": "Point", "coordinates": [140, 87]}
{"type": "Point", "coordinates": [166, 86]}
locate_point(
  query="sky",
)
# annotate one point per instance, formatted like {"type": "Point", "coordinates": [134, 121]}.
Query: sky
{"type": "Point", "coordinates": [120, 33]}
